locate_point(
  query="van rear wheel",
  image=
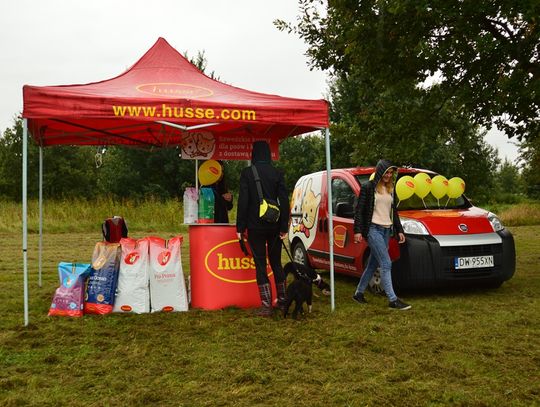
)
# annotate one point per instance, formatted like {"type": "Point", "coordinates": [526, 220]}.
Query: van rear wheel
{"type": "Point", "coordinates": [299, 254]}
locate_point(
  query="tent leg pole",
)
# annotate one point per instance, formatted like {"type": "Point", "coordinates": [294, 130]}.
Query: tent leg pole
{"type": "Point", "coordinates": [197, 176]}
{"type": "Point", "coordinates": [24, 218]}
{"type": "Point", "coordinates": [40, 213]}
{"type": "Point", "coordinates": [330, 218]}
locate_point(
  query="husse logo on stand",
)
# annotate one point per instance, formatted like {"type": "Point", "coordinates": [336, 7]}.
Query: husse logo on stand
{"type": "Point", "coordinates": [226, 262]}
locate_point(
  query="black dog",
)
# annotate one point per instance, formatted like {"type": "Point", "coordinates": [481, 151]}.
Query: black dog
{"type": "Point", "coordinates": [301, 289]}
{"type": "Point", "coordinates": [322, 285]}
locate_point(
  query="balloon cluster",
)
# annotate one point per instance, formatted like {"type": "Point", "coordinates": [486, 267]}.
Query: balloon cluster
{"type": "Point", "coordinates": [422, 185]}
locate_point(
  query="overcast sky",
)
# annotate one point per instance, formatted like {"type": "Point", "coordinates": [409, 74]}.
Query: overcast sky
{"type": "Point", "coordinates": [58, 42]}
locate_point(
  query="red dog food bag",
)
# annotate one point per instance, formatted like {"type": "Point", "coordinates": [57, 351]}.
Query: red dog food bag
{"type": "Point", "coordinates": [68, 299]}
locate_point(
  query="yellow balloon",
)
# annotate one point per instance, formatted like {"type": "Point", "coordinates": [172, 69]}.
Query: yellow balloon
{"type": "Point", "coordinates": [209, 172]}
{"type": "Point", "coordinates": [439, 186]}
{"type": "Point", "coordinates": [405, 187]}
{"type": "Point", "coordinates": [456, 187]}
{"type": "Point", "coordinates": [422, 182]}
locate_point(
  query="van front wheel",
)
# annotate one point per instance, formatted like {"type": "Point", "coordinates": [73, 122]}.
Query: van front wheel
{"type": "Point", "coordinates": [299, 254]}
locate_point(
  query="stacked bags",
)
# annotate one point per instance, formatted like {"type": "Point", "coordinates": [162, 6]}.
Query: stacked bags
{"type": "Point", "coordinates": [133, 276]}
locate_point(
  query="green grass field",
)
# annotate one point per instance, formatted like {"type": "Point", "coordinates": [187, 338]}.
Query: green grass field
{"type": "Point", "coordinates": [467, 348]}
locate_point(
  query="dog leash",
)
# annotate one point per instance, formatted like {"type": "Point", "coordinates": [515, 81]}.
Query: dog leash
{"type": "Point", "coordinates": [287, 250]}
{"type": "Point", "coordinates": [300, 274]}
{"type": "Point", "coordinates": [317, 281]}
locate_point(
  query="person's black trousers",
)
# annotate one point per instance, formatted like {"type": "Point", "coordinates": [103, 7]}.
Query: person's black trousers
{"type": "Point", "coordinates": [259, 240]}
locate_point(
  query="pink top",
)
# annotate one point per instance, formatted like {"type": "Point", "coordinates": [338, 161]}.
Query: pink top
{"type": "Point", "coordinates": [381, 211]}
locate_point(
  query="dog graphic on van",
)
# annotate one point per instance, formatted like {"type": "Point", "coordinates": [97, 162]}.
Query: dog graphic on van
{"type": "Point", "coordinates": [309, 209]}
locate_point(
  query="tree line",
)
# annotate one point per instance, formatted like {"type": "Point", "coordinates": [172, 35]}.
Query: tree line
{"type": "Point", "coordinates": [86, 172]}
{"type": "Point", "coordinates": [414, 82]}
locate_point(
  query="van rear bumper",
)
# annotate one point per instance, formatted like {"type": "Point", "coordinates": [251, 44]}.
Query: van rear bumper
{"type": "Point", "coordinates": [424, 263]}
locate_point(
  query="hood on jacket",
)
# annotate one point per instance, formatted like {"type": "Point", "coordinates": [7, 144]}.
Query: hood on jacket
{"type": "Point", "coordinates": [381, 168]}
{"type": "Point", "coordinates": [260, 152]}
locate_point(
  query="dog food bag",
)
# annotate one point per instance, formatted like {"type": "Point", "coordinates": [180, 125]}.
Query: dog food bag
{"type": "Point", "coordinates": [167, 284]}
{"type": "Point", "coordinates": [133, 291]}
{"type": "Point", "coordinates": [101, 288]}
{"type": "Point", "coordinates": [68, 299]}
{"type": "Point", "coordinates": [191, 205]}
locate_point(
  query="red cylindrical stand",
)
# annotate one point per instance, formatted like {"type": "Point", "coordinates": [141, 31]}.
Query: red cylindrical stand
{"type": "Point", "coordinates": [221, 275]}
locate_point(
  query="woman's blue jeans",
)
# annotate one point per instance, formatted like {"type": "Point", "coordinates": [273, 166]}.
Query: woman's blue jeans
{"type": "Point", "coordinates": [377, 239]}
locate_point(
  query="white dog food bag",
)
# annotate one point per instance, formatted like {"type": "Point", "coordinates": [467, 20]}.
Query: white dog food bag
{"type": "Point", "coordinates": [133, 291]}
{"type": "Point", "coordinates": [167, 284]}
{"type": "Point", "coordinates": [191, 205]}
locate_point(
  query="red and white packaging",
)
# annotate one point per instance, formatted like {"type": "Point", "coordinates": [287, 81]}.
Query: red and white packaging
{"type": "Point", "coordinates": [133, 291]}
{"type": "Point", "coordinates": [167, 284]}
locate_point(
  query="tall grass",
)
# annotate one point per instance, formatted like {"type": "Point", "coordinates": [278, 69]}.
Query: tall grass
{"type": "Point", "coordinates": [69, 216]}
{"type": "Point", "coordinates": [66, 216]}
{"type": "Point", "coordinates": [521, 214]}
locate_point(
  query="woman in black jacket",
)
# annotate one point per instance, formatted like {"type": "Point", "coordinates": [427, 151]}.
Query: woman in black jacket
{"type": "Point", "coordinates": [375, 219]}
{"type": "Point", "coordinates": [262, 235]}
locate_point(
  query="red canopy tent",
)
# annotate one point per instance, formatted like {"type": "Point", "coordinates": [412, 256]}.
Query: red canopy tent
{"type": "Point", "coordinates": [162, 87]}
{"type": "Point", "coordinates": [163, 100]}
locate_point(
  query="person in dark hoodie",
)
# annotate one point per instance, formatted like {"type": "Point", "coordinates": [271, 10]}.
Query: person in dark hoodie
{"type": "Point", "coordinates": [263, 236]}
{"type": "Point", "coordinates": [223, 199]}
{"type": "Point", "coordinates": [375, 219]}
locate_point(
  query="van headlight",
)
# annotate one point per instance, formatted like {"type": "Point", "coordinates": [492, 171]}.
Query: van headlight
{"type": "Point", "coordinates": [413, 227]}
{"type": "Point", "coordinates": [496, 223]}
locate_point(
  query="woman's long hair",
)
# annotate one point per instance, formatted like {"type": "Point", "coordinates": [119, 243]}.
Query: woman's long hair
{"type": "Point", "coordinates": [388, 185]}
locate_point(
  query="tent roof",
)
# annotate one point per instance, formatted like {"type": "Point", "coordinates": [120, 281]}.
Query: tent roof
{"type": "Point", "coordinates": [160, 97]}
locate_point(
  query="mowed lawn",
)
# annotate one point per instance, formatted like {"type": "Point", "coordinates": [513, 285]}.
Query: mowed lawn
{"type": "Point", "coordinates": [466, 347]}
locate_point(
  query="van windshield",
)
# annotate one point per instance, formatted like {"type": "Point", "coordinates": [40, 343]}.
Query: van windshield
{"type": "Point", "coordinates": [429, 202]}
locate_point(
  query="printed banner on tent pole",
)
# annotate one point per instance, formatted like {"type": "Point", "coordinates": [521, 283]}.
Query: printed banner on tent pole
{"type": "Point", "coordinates": [205, 145]}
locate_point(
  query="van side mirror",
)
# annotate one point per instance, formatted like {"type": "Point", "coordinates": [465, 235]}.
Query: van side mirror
{"type": "Point", "coordinates": [344, 210]}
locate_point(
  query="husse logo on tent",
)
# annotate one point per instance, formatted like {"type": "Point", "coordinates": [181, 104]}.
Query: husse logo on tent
{"type": "Point", "coordinates": [175, 90]}
{"type": "Point", "coordinates": [227, 263]}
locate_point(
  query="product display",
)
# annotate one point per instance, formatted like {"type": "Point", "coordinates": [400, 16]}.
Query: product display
{"type": "Point", "coordinates": [133, 276]}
